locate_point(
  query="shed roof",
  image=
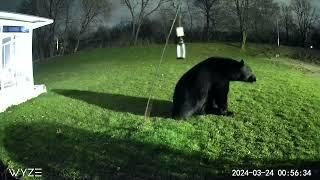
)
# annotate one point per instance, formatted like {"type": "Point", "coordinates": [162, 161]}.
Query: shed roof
{"type": "Point", "coordinates": [16, 19]}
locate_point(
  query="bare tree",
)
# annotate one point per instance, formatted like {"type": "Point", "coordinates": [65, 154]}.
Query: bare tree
{"type": "Point", "coordinates": [165, 17]}
{"type": "Point", "coordinates": [67, 21]}
{"type": "Point", "coordinates": [51, 9]}
{"type": "Point", "coordinates": [242, 11]}
{"type": "Point", "coordinates": [190, 15]}
{"type": "Point", "coordinates": [54, 9]}
{"type": "Point", "coordinates": [305, 16]}
{"type": "Point", "coordinates": [264, 17]}
{"type": "Point", "coordinates": [139, 11]}
{"type": "Point", "coordinates": [92, 9]}
{"type": "Point", "coordinates": [287, 20]}
{"type": "Point", "coordinates": [206, 7]}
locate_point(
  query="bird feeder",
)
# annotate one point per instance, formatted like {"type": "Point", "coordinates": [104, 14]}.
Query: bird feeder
{"type": "Point", "coordinates": [181, 47]}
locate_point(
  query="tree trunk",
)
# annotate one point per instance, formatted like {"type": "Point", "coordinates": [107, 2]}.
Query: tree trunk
{"type": "Point", "coordinates": [214, 28]}
{"type": "Point", "coordinates": [306, 39]}
{"type": "Point", "coordinates": [133, 31]}
{"type": "Point", "coordinates": [76, 46]}
{"type": "Point", "coordinates": [287, 33]}
{"type": "Point", "coordinates": [137, 33]}
{"type": "Point", "coordinates": [63, 46]}
{"type": "Point", "coordinates": [207, 26]}
{"type": "Point", "coordinates": [51, 49]}
{"type": "Point", "coordinates": [244, 40]}
{"type": "Point", "coordinates": [303, 37]}
{"type": "Point", "coordinates": [191, 21]}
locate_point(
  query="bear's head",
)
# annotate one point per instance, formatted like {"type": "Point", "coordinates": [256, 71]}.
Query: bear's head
{"type": "Point", "coordinates": [245, 73]}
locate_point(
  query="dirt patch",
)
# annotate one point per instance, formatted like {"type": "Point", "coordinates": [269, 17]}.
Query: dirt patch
{"type": "Point", "coordinates": [308, 68]}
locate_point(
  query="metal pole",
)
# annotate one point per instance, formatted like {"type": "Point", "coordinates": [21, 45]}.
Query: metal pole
{"type": "Point", "coordinates": [180, 16]}
{"type": "Point", "coordinates": [149, 103]}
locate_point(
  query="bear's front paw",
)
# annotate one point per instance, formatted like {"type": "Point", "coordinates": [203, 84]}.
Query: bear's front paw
{"type": "Point", "coordinates": [230, 114]}
{"type": "Point", "coordinates": [227, 113]}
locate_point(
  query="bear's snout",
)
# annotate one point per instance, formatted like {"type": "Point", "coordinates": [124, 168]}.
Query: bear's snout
{"type": "Point", "coordinates": [252, 79]}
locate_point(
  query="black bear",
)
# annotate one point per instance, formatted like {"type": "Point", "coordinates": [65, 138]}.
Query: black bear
{"type": "Point", "coordinates": [204, 88]}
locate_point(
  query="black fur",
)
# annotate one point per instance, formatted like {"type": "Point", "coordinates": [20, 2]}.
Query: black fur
{"type": "Point", "coordinates": [204, 88]}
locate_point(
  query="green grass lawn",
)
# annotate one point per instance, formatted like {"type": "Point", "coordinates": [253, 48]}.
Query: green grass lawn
{"type": "Point", "coordinates": [90, 124]}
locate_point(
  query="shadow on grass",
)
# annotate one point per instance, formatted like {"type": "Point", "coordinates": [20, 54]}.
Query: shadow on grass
{"type": "Point", "coordinates": [119, 103]}
{"type": "Point", "coordinates": [65, 152]}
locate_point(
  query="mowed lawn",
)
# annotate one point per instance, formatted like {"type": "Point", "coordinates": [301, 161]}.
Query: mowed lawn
{"type": "Point", "coordinates": [91, 125]}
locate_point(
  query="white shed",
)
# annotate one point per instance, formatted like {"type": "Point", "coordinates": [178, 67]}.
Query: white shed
{"type": "Point", "coordinates": [16, 67]}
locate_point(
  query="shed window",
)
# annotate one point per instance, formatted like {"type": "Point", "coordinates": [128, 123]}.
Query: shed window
{"type": "Point", "coordinates": [19, 29]}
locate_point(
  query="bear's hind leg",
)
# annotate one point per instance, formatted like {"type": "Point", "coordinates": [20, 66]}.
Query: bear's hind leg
{"type": "Point", "coordinates": [211, 106]}
{"type": "Point", "coordinates": [221, 99]}
{"type": "Point", "coordinates": [183, 112]}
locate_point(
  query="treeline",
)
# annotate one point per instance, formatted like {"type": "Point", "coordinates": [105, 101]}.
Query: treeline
{"type": "Point", "coordinates": [83, 24]}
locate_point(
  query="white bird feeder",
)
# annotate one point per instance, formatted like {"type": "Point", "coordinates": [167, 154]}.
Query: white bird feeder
{"type": "Point", "coordinates": [16, 68]}
{"type": "Point", "coordinates": [181, 47]}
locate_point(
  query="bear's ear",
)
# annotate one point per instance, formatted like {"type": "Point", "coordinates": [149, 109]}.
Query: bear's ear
{"type": "Point", "coordinates": [242, 62]}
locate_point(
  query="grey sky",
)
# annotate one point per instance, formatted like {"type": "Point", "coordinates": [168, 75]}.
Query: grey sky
{"type": "Point", "coordinates": [119, 13]}
{"type": "Point", "coordinates": [9, 5]}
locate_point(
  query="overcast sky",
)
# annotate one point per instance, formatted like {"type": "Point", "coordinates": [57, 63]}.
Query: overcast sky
{"type": "Point", "coordinates": [119, 12]}
{"type": "Point", "coordinates": [9, 5]}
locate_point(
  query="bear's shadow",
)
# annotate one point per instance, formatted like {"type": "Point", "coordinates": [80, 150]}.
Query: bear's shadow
{"type": "Point", "coordinates": [120, 103]}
